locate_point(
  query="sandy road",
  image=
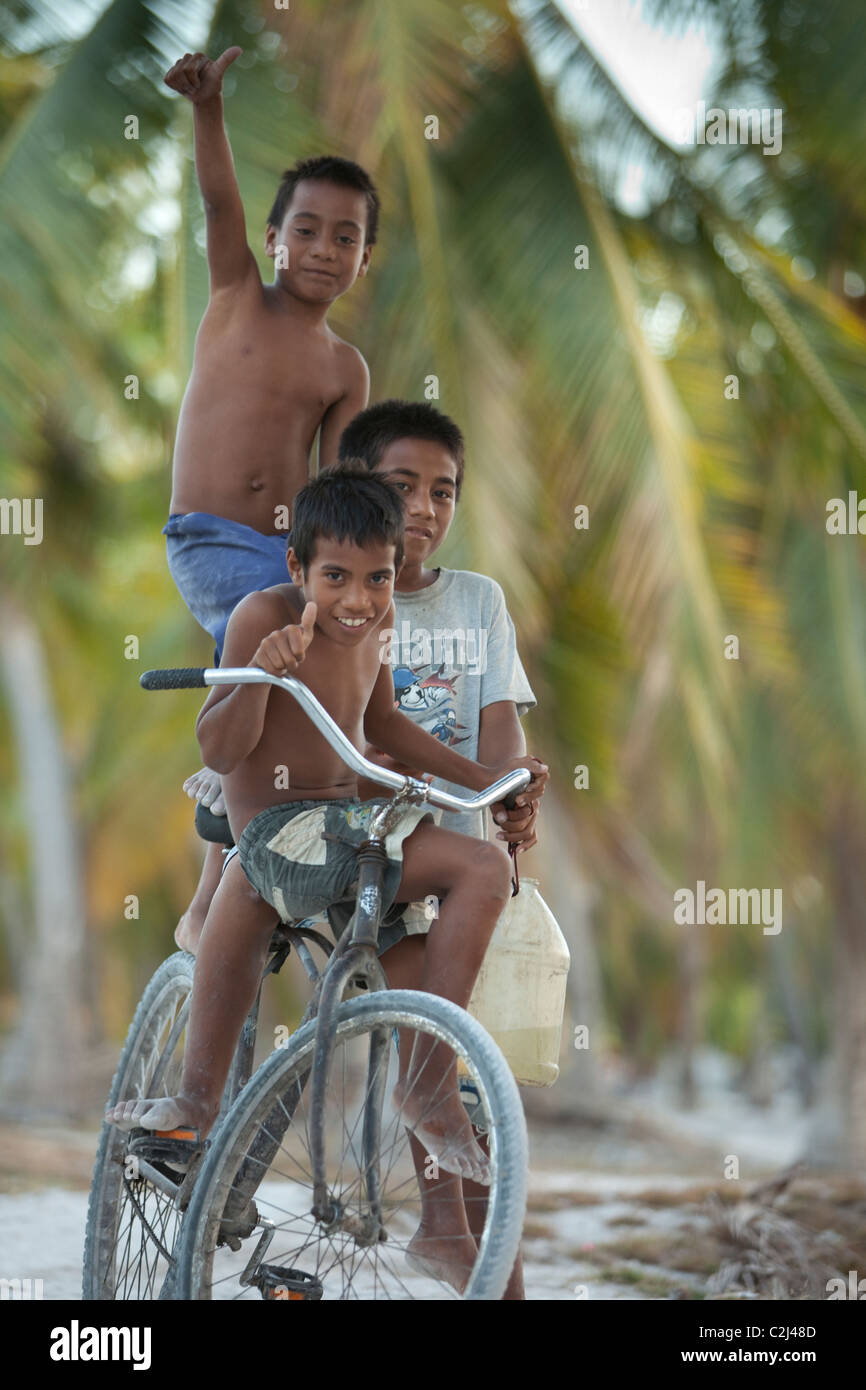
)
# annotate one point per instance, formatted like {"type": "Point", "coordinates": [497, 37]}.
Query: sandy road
{"type": "Point", "coordinates": [43, 1236]}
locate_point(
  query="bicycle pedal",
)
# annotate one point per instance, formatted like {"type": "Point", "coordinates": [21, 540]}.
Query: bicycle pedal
{"type": "Point", "coordinates": [175, 1150]}
{"type": "Point", "coordinates": [291, 1285]}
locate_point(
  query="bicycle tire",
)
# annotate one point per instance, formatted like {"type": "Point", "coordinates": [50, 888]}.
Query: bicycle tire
{"type": "Point", "coordinates": [388, 1009]}
{"type": "Point", "coordinates": [160, 1005]}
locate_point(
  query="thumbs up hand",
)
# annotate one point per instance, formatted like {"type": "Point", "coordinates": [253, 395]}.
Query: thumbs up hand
{"type": "Point", "coordinates": [282, 652]}
{"type": "Point", "coordinates": [198, 77]}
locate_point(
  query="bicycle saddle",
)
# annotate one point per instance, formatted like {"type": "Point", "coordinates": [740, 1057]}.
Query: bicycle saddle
{"type": "Point", "coordinates": [216, 829]}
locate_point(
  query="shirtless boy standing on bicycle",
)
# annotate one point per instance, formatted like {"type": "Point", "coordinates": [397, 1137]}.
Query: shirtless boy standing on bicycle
{"type": "Point", "coordinates": [268, 373]}
{"type": "Point", "coordinates": [298, 849]}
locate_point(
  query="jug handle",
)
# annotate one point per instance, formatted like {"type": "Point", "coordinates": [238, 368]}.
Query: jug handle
{"type": "Point", "coordinates": [515, 872]}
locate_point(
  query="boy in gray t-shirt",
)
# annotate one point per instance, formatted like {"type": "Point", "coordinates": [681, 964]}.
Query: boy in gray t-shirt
{"type": "Point", "coordinates": [454, 656]}
{"type": "Point", "coordinates": [453, 651]}
{"type": "Point", "coordinates": [457, 673]}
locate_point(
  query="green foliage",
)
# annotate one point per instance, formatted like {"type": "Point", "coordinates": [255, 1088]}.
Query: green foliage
{"type": "Point", "coordinates": [706, 513]}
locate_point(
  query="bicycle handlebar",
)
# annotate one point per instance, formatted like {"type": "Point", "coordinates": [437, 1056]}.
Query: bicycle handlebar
{"type": "Point", "coordinates": [194, 677]}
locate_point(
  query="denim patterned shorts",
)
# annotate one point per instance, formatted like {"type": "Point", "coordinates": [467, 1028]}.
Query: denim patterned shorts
{"type": "Point", "coordinates": [302, 856]}
{"type": "Point", "coordinates": [216, 562]}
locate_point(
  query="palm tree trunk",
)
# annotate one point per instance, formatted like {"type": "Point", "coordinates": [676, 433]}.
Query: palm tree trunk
{"type": "Point", "coordinates": [41, 1066]}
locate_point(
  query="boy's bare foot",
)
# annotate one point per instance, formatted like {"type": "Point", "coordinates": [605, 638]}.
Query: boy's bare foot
{"type": "Point", "coordinates": [205, 786]}
{"type": "Point", "coordinates": [188, 931]}
{"type": "Point", "coordinates": [443, 1127]}
{"type": "Point", "coordinates": [160, 1112]}
{"type": "Point", "coordinates": [442, 1256]}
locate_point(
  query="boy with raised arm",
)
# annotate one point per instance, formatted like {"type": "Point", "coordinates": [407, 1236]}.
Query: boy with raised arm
{"type": "Point", "coordinates": [298, 849]}
{"type": "Point", "coordinates": [268, 374]}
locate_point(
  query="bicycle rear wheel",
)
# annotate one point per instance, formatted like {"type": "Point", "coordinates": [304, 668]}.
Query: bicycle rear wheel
{"type": "Point", "coordinates": [254, 1193]}
{"type": "Point", "coordinates": [132, 1222]}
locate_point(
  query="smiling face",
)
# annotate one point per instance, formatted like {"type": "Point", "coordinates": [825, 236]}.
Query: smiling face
{"type": "Point", "coordinates": [323, 230]}
{"type": "Point", "coordinates": [425, 475]}
{"type": "Point", "coordinates": [352, 585]}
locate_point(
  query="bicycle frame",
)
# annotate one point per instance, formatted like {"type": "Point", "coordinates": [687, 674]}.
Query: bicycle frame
{"type": "Point", "coordinates": [354, 956]}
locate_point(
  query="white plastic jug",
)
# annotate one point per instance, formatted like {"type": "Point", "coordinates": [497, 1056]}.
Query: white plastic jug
{"type": "Point", "coordinates": [519, 995]}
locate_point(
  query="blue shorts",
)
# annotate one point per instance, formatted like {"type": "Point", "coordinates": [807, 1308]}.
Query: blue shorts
{"type": "Point", "coordinates": [216, 562]}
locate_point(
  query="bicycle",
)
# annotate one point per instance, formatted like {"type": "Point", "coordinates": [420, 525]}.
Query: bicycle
{"type": "Point", "coordinates": [341, 1219]}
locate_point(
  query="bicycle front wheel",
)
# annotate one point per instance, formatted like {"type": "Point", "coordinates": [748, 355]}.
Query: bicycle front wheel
{"type": "Point", "coordinates": [250, 1231]}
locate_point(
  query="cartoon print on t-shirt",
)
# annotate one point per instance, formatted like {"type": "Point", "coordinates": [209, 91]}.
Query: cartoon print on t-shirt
{"type": "Point", "coordinates": [429, 700]}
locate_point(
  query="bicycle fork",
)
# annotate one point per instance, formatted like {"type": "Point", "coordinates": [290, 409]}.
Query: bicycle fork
{"type": "Point", "coordinates": [357, 961]}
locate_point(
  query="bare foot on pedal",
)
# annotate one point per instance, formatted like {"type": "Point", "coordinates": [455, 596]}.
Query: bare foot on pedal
{"type": "Point", "coordinates": [160, 1112]}
{"type": "Point", "coordinates": [205, 786]}
{"type": "Point", "coordinates": [438, 1120]}
{"type": "Point", "coordinates": [441, 1256]}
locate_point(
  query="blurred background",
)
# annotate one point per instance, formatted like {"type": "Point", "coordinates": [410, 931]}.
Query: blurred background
{"type": "Point", "coordinates": [667, 333]}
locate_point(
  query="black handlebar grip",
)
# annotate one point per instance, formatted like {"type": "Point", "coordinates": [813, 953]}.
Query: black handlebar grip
{"type": "Point", "coordinates": [510, 801]}
{"type": "Point", "coordinates": [181, 678]}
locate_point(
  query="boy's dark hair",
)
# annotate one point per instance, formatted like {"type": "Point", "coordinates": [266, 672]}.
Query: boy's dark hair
{"type": "Point", "coordinates": [368, 435]}
{"type": "Point", "coordinates": [346, 504]}
{"type": "Point", "coordinates": [331, 169]}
